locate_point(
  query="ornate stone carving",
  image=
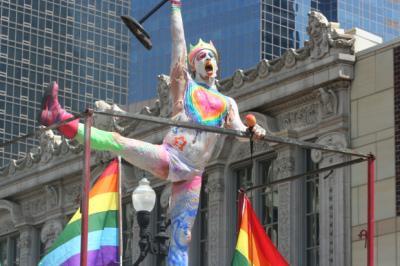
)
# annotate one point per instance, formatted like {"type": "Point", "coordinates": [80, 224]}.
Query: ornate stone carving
{"type": "Point", "coordinates": [29, 160]}
{"type": "Point", "coordinates": [328, 102]}
{"type": "Point", "coordinates": [14, 209]}
{"type": "Point", "coordinates": [52, 194]}
{"type": "Point", "coordinates": [215, 185]}
{"type": "Point", "coordinates": [72, 194]}
{"type": "Point", "coordinates": [263, 68]}
{"type": "Point", "coordinates": [25, 240]}
{"type": "Point", "coordinates": [163, 105]}
{"type": "Point", "coordinates": [164, 96]}
{"type": "Point", "coordinates": [6, 226]}
{"type": "Point", "coordinates": [284, 219]}
{"type": "Point", "coordinates": [283, 167]}
{"type": "Point", "coordinates": [12, 168]}
{"type": "Point", "coordinates": [50, 145]}
{"type": "Point", "coordinates": [34, 206]}
{"type": "Point", "coordinates": [238, 78]}
{"type": "Point", "coordinates": [290, 58]}
{"type": "Point", "coordinates": [334, 139]}
{"type": "Point", "coordinates": [302, 117]}
{"type": "Point", "coordinates": [107, 122]}
{"type": "Point", "coordinates": [318, 30]}
{"type": "Point", "coordinates": [323, 36]}
{"type": "Point", "coordinates": [277, 64]}
{"type": "Point", "coordinates": [333, 206]}
{"type": "Point", "coordinates": [50, 232]}
{"type": "Point", "coordinates": [213, 234]}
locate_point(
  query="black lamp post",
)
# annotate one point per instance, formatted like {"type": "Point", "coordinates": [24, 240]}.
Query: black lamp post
{"type": "Point", "coordinates": [144, 199]}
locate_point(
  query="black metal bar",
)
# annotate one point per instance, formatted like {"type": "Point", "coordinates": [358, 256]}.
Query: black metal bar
{"type": "Point", "coordinates": [151, 12]}
{"type": "Point", "coordinates": [313, 172]}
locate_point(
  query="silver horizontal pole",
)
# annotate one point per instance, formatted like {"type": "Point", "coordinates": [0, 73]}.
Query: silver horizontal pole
{"type": "Point", "coordinates": [43, 129]}
{"type": "Point", "coordinates": [232, 132]}
{"type": "Point", "coordinates": [169, 122]}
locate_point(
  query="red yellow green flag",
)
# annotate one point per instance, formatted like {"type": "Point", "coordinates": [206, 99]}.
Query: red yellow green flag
{"type": "Point", "coordinates": [103, 228]}
{"type": "Point", "coordinates": [253, 245]}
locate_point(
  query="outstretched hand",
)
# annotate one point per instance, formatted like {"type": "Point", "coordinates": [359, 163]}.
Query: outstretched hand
{"type": "Point", "coordinates": [257, 130]}
{"type": "Point", "coordinates": [175, 2]}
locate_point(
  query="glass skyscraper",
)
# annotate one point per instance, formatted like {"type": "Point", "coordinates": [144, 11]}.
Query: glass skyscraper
{"type": "Point", "coordinates": [82, 44]}
{"type": "Point", "coordinates": [381, 17]}
{"type": "Point", "coordinates": [245, 31]}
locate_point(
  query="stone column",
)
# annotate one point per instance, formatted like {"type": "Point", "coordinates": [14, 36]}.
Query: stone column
{"type": "Point", "coordinates": [28, 245]}
{"type": "Point", "coordinates": [291, 207]}
{"type": "Point", "coordinates": [335, 223]}
{"type": "Point", "coordinates": [216, 215]}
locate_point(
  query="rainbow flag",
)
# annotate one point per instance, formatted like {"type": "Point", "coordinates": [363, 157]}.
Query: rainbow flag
{"type": "Point", "coordinates": [253, 245]}
{"type": "Point", "coordinates": [103, 235]}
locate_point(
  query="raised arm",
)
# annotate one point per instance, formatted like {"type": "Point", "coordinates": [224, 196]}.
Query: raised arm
{"type": "Point", "coordinates": [178, 72]}
{"type": "Point", "coordinates": [177, 34]}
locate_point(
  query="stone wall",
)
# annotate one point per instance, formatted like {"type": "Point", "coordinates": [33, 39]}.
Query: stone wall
{"type": "Point", "coordinates": [373, 130]}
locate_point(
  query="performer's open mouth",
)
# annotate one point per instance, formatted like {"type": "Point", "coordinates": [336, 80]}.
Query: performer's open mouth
{"type": "Point", "coordinates": [209, 68]}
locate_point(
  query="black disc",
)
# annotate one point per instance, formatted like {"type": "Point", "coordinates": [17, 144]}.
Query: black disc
{"type": "Point", "coordinates": [138, 31]}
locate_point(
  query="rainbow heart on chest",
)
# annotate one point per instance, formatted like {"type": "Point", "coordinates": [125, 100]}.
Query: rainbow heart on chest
{"type": "Point", "coordinates": [205, 106]}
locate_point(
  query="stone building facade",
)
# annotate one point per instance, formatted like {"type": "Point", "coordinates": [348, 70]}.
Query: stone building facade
{"type": "Point", "coordinates": [328, 92]}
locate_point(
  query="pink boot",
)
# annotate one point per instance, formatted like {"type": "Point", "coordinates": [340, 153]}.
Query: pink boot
{"type": "Point", "coordinates": [52, 112]}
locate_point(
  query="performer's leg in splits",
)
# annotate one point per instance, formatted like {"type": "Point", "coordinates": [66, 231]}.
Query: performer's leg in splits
{"type": "Point", "coordinates": [155, 159]}
{"type": "Point", "coordinates": [184, 206]}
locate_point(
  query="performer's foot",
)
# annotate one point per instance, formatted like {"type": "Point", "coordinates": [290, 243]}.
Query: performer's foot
{"type": "Point", "coordinates": [52, 112]}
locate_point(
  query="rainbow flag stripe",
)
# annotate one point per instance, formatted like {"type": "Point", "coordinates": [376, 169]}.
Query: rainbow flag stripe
{"type": "Point", "coordinates": [205, 106]}
{"type": "Point", "coordinates": [253, 245]}
{"type": "Point", "coordinates": [103, 232]}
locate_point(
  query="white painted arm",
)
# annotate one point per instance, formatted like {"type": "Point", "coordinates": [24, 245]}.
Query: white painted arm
{"type": "Point", "coordinates": [177, 34]}
{"type": "Point", "coordinates": [178, 70]}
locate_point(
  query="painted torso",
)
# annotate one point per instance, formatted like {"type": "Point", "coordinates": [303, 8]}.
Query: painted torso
{"type": "Point", "coordinates": [205, 106]}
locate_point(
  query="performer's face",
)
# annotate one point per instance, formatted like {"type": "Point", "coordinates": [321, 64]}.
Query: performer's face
{"type": "Point", "coordinates": [205, 64]}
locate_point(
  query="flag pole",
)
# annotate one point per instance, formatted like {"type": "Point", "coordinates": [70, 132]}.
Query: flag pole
{"type": "Point", "coordinates": [241, 193]}
{"type": "Point", "coordinates": [371, 210]}
{"type": "Point", "coordinates": [120, 210]}
{"type": "Point", "coordinates": [86, 187]}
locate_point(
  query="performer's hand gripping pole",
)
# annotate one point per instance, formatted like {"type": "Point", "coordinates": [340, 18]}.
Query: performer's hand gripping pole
{"type": "Point", "coordinates": [137, 29]}
{"type": "Point", "coordinates": [86, 188]}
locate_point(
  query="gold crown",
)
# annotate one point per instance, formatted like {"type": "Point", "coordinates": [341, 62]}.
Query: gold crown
{"type": "Point", "coordinates": [201, 45]}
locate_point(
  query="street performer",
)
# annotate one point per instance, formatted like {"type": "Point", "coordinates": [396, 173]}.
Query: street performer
{"type": "Point", "coordinates": [184, 153]}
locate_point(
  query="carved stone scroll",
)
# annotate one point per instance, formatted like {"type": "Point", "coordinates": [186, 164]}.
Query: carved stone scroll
{"type": "Point", "coordinates": [50, 231]}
